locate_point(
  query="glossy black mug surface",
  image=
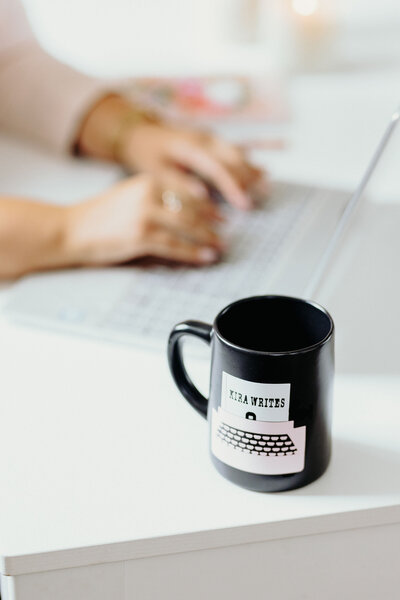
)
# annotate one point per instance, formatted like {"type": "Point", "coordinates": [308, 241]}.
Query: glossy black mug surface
{"type": "Point", "coordinates": [269, 409]}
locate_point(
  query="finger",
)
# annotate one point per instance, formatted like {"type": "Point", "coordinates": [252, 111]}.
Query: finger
{"type": "Point", "coordinates": [205, 208]}
{"type": "Point", "coordinates": [182, 183]}
{"type": "Point", "coordinates": [235, 160]}
{"type": "Point", "coordinates": [165, 245]}
{"type": "Point", "coordinates": [191, 191]}
{"type": "Point", "coordinates": [188, 225]}
{"type": "Point", "coordinates": [261, 190]}
{"type": "Point", "coordinates": [214, 171]}
{"type": "Point", "coordinates": [262, 185]}
{"type": "Point", "coordinates": [234, 157]}
{"type": "Point", "coordinates": [264, 144]}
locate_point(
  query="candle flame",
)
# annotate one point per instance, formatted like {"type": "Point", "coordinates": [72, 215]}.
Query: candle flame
{"type": "Point", "coordinates": [305, 8]}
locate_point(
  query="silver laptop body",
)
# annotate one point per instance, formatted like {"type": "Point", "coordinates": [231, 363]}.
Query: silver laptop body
{"type": "Point", "coordinates": [283, 247]}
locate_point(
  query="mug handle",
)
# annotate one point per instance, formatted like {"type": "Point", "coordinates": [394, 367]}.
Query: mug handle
{"type": "Point", "coordinates": [177, 367]}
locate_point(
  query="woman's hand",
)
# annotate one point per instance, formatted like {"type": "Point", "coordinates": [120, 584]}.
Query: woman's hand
{"type": "Point", "coordinates": [182, 159]}
{"type": "Point", "coordinates": [132, 220]}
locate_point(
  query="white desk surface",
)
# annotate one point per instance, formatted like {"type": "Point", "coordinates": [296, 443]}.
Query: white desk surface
{"type": "Point", "coordinates": [86, 479]}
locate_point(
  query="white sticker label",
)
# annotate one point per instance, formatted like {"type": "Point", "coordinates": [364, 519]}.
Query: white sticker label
{"type": "Point", "coordinates": [257, 401]}
{"type": "Point", "coordinates": [257, 446]}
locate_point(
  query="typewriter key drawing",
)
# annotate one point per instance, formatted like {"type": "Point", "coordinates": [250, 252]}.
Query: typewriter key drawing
{"type": "Point", "coordinates": [267, 445]}
{"type": "Point", "coordinates": [251, 430]}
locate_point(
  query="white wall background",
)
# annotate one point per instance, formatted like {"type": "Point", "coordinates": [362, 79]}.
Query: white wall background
{"type": "Point", "coordinates": [128, 37]}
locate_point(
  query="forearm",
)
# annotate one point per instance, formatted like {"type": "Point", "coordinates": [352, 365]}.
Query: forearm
{"type": "Point", "coordinates": [33, 236]}
{"type": "Point", "coordinates": [43, 99]}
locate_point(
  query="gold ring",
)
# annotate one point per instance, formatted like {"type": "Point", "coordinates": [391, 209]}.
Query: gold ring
{"type": "Point", "coordinates": [171, 201]}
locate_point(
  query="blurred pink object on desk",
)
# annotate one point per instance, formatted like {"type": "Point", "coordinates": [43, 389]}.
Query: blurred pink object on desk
{"type": "Point", "coordinates": [219, 98]}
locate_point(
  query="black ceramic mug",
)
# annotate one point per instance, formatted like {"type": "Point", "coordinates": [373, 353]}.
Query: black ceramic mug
{"type": "Point", "coordinates": [269, 409]}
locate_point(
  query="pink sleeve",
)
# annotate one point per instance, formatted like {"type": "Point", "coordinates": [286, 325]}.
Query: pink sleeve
{"type": "Point", "coordinates": [40, 98]}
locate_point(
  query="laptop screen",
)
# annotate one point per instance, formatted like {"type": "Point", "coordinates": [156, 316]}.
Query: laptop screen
{"type": "Point", "coordinates": [377, 184]}
{"type": "Point", "coordinates": [384, 185]}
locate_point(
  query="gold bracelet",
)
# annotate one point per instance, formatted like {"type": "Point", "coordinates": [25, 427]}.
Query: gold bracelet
{"type": "Point", "coordinates": [129, 119]}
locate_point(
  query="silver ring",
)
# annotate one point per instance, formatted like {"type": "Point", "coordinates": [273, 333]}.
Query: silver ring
{"type": "Point", "coordinates": [171, 201]}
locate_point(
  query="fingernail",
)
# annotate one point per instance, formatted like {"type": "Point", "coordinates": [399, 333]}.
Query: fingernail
{"type": "Point", "coordinates": [208, 254]}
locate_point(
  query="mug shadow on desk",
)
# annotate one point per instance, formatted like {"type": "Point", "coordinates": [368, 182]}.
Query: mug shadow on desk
{"type": "Point", "coordinates": [357, 469]}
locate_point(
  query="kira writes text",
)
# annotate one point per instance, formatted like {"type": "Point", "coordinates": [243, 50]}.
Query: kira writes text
{"type": "Point", "coordinates": [256, 400]}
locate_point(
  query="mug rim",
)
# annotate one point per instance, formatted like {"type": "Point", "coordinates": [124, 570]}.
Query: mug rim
{"type": "Point", "coordinates": [281, 352]}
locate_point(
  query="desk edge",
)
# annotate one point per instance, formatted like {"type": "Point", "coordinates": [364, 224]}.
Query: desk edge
{"type": "Point", "coordinates": [198, 540]}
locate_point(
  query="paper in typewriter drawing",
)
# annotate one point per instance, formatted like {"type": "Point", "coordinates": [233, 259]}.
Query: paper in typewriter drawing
{"type": "Point", "coordinates": [251, 430]}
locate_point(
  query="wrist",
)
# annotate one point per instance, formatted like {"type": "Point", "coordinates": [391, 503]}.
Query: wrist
{"type": "Point", "coordinates": [106, 127]}
{"type": "Point", "coordinates": [86, 233]}
{"type": "Point", "coordinates": [77, 239]}
{"type": "Point", "coordinates": [34, 236]}
{"type": "Point", "coordinates": [60, 249]}
{"type": "Point", "coordinates": [48, 249]}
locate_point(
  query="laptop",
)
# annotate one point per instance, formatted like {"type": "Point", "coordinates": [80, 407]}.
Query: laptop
{"type": "Point", "coordinates": [282, 247]}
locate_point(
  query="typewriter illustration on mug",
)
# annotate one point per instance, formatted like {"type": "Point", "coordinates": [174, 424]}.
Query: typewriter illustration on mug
{"type": "Point", "coordinates": [251, 430]}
